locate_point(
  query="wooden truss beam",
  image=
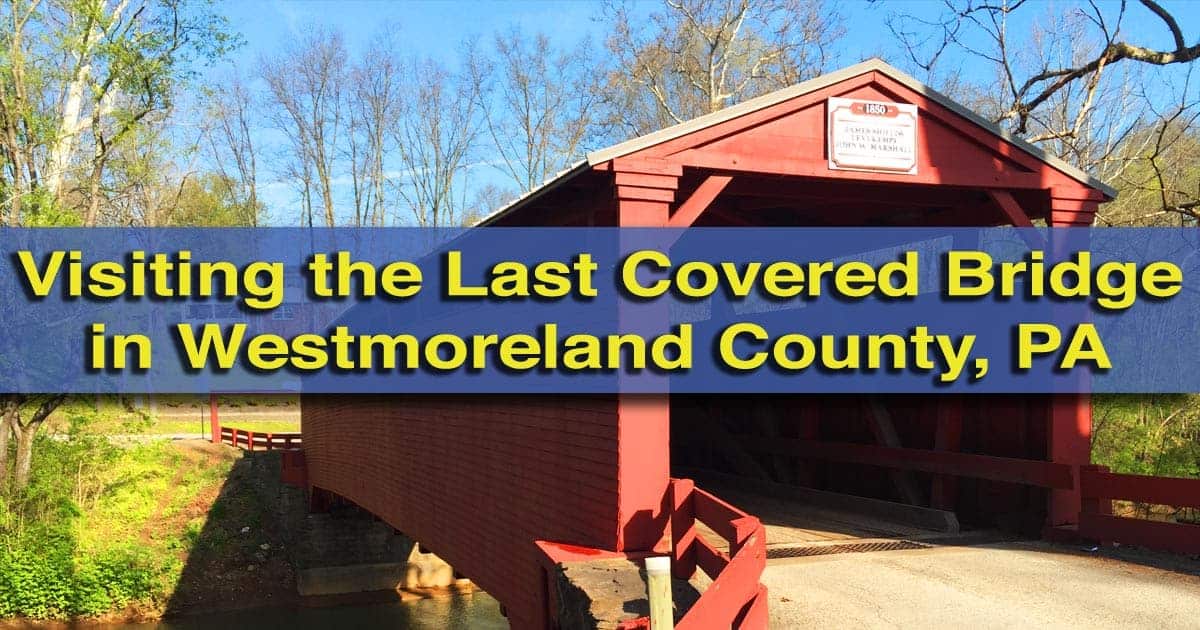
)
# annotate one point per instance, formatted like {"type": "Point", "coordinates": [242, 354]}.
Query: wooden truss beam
{"type": "Point", "coordinates": [700, 199]}
{"type": "Point", "coordinates": [1011, 209]}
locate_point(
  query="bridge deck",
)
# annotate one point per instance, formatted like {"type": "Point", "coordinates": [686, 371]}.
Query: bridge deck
{"type": "Point", "coordinates": [1004, 585]}
{"type": "Point", "coordinates": [789, 522]}
{"type": "Point", "coordinates": [793, 525]}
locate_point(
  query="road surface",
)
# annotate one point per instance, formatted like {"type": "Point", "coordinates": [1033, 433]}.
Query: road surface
{"type": "Point", "coordinates": [1004, 585]}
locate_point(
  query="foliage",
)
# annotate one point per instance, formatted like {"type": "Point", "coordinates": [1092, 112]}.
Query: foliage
{"type": "Point", "coordinates": [80, 81]}
{"type": "Point", "coordinates": [73, 543]}
{"type": "Point", "coordinates": [210, 201]}
{"type": "Point", "coordinates": [44, 577]}
{"type": "Point", "coordinates": [1147, 434]}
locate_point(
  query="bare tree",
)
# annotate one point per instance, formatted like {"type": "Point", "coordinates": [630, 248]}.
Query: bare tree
{"type": "Point", "coordinates": [1159, 174]}
{"type": "Point", "coordinates": [229, 139]}
{"type": "Point", "coordinates": [538, 103]}
{"type": "Point", "coordinates": [306, 84]}
{"type": "Point", "coordinates": [486, 200]}
{"type": "Point", "coordinates": [434, 135]}
{"type": "Point", "coordinates": [373, 104]}
{"type": "Point", "coordinates": [698, 56]}
{"type": "Point", "coordinates": [1066, 78]}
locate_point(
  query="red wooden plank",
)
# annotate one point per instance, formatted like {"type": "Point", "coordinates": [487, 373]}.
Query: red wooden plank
{"type": "Point", "coordinates": [1030, 472]}
{"type": "Point", "coordinates": [947, 437]}
{"type": "Point", "coordinates": [214, 420]}
{"type": "Point", "coordinates": [698, 202]}
{"type": "Point", "coordinates": [1158, 535]}
{"type": "Point", "coordinates": [645, 194]}
{"type": "Point", "coordinates": [1065, 192]}
{"type": "Point", "coordinates": [716, 514]}
{"type": "Point", "coordinates": [683, 529]}
{"type": "Point", "coordinates": [1173, 491]}
{"type": "Point", "coordinates": [745, 528]}
{"type": "Point", "coordinates": [754, 616]}
{"type": "Point", "coordinates": [647, 165]}
{"type": "Point", "coordinates": [642, 180]}
{"type": "Point", "coordinates": [721, 604]}
{"type": "Point", "coordinates": [760, 164]}
{"type": "Point", "coordinates": [710, 560]}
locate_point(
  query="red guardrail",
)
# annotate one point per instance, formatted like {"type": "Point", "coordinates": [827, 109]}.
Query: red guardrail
{"type": "Point", "coordinates": [1100, 487]}
{"type": "Point", "coordinates": [252, 441]}
{"type": "Point", "coordinates": [735, 599]}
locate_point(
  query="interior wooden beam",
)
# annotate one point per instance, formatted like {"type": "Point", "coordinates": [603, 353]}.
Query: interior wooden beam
{"type": "Point", "coordinates": [947, 437]}
{"type": "Point", "coordinates": [885, 433]}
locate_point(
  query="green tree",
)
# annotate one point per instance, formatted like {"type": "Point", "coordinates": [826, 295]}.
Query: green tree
{"type": "Point", "coordinates": [212, 200]}
{"type": "Point", "coordinates": [78, 79]}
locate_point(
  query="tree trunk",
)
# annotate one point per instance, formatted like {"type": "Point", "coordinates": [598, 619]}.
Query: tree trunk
{"type": "Point", "coordinates": [24, 455]}
{"type": "Point", "coordinates": [25, 434]}
{"type": "Point", "coordinates": [5, 433]}
{"type": "Point", "coordinates": [93, 211]}
{"type": "Point", "coordinates": [10, 410]}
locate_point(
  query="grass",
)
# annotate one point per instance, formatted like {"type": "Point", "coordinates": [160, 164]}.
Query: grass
{"type": "Point", "coordinates": [182, 414]}
{"type": "Point", "coordinates": [251, 423]}
{"type": "Point", "coordinates": [150, 499]}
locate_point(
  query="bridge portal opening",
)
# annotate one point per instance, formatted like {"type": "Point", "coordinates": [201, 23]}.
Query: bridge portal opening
{"type": "Point", "coordinates": [820, 468]}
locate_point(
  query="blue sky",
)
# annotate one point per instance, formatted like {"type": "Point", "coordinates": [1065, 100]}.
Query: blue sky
{"type": "Point", "coordinates": [436, 27]}
{"type": "Point", "coordinates": [439, 28]}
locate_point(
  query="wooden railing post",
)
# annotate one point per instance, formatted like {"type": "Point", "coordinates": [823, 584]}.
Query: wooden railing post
{"type": "Point", "coordinates": [743, 528]}
{"type": "Point", "coordinates": [1092, 504]}
{"type": "Point", "coordinates": [683, 529]}
{"type": "Point", "coordinates": [1094, 501]}
{"type": "Point", "coordinates": [214, 422]}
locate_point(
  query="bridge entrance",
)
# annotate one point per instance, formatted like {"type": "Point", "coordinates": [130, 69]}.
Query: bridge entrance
{"type": "Point", "coordinates": [823, 472]}
{"type": "Point", "coordinates": [1006, 462]}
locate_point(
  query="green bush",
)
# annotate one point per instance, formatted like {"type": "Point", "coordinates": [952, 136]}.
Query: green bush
{"type": "Point", "coordinates": [69, 542]}
{"type": "Point", "coordinates": [42, 577]}
{"type": "Point", "coordinates": [36, 576]}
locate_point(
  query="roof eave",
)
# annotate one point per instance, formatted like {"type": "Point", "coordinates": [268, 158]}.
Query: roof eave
{"type": "Point", "coordinates": [550, 184]}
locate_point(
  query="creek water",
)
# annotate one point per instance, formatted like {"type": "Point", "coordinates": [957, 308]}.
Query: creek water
{"type": "Point", "coordinates": [472, 611]}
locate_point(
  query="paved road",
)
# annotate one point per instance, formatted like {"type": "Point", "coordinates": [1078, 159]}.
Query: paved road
{"type": "Point", "coordinates": [1008, 585]}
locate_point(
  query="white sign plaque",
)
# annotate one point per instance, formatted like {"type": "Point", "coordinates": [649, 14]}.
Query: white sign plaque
{"type": "Point", "coordinates": [872, 136]}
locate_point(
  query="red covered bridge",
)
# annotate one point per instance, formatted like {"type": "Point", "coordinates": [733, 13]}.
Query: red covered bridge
{"type": "Point", "coordinates": [504, 486]}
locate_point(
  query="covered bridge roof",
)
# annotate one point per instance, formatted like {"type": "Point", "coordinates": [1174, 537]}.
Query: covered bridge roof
{"type": "Point", "coordinates": [598, 160]}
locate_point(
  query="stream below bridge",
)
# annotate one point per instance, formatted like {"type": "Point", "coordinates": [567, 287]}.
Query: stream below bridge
{"type": "Point", "coordinates": [476, 610]}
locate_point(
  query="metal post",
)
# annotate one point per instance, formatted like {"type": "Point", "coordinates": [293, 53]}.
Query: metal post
{"type": "Point", "coordinates": [658, 579]}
